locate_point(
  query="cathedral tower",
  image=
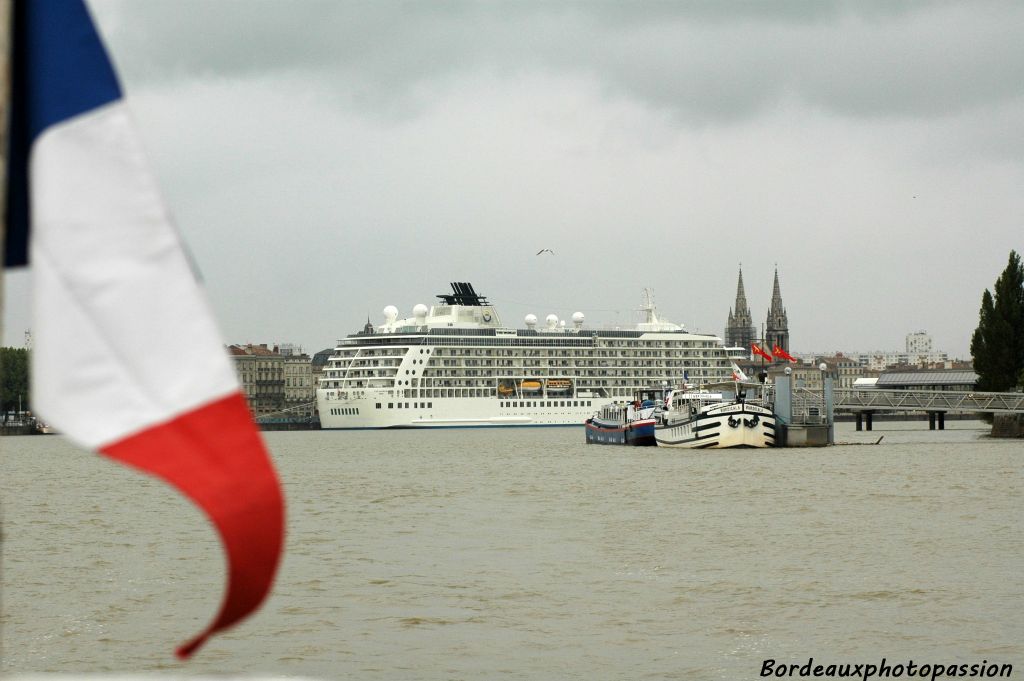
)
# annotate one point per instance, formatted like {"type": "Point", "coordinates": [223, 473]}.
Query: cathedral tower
{"type": "Point", "coordinates": [739, 331]}
{"type": "Point", "coordinates": [777, 327]}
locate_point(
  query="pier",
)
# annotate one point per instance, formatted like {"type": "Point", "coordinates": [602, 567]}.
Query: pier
{"type": "Point", "coordinates": [806, 416]}
{"type": "Point", "coordinates": [936, 403]}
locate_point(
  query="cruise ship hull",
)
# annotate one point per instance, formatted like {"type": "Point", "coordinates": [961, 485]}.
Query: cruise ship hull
{"type": "Point", "coordinates": [450, 412]}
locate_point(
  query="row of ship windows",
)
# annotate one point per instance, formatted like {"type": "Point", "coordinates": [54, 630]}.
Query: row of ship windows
{"type": "Point", "coordinates": [535, 343]}
{"type": "Point", "coordinates": [346, 411]}
{"type": "Point", "coordinates": [512, 403]}
{"type": "Point", "coordinates": [604, 352]}
{"type": "Point", "coordinates": [583, 367]}
{"type": "Point", "coordinates": [546, 403]}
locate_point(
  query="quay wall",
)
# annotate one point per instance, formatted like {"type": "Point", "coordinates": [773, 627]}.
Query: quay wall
{"type": "Point", "coordinates": [1008, 425]}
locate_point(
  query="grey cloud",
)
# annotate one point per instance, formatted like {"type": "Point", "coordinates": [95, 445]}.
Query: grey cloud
{"type": "Point", "coordinates": [703, 62]}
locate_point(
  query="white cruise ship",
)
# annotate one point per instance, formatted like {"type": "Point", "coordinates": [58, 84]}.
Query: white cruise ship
{"type": "Point", "coordinates": [455, 365]}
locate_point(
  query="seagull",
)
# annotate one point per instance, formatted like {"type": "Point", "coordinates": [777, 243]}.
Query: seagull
{"type": "Point", "coordinates": [545, 250]}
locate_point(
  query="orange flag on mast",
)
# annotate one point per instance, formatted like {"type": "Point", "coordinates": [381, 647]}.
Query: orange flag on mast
{"type": "Point", "coordinates": [779, 352]}
{"type": "Point", "coordinates": [759, 351]}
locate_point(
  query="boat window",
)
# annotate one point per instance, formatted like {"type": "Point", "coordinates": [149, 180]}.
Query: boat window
{"type": "Point", "coordinates": [430, 405]}
{"type": "Point", "coordinates": [391, 405]}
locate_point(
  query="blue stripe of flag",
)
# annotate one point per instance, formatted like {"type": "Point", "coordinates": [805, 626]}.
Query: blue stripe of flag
{"type": "Point", "coordinates": [59, 70]}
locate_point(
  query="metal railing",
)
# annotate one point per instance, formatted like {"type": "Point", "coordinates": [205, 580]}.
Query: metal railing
{"type": "Point", "coordinates": [928, 400]}
{"type": "Point", "coordinates": [288, 415]}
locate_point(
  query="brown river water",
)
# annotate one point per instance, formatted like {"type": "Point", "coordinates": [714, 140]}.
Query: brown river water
{"type": "Point", "coordinates": [526, 554]}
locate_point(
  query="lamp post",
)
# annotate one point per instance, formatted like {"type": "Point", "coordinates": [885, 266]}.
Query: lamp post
{"type": "Point", "coordinates": [789, 379]}
{"type": "Point", "coordinates": [824, 405]}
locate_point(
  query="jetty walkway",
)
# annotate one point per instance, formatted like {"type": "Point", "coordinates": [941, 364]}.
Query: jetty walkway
{"type": "Point", "coordinates": [936, 403]}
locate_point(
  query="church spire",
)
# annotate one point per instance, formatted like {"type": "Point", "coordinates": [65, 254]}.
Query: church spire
{"type": "Point", "coordinates": [777, 326]}
{"type": "Point", "coordinates": [739, 330]}
{"type": "Point", "coordinates": [741, 297]}
{"type": "Point", "coordinates": [776, 308]}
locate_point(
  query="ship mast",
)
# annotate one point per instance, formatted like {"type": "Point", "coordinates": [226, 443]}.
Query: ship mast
{"type": "Point", "coordinates": [651, 315]}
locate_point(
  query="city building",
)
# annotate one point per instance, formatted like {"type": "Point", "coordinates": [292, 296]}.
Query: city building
{"type": "Point", "coordinates": [919, 342]}
{"type": "Point", "coordinates": [919, 353]}
{"type": "Point", "coordinates": [803, 375]}
{"type": "Point", "coordinates": [844, 370]}
{"type": "Point", "coordinates": [261, 372]}
{"type": "Point", "coordinates": [299, 388]}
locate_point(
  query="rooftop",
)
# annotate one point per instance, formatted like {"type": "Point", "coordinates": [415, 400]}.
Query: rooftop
{"type": "Point", "coordinates": [893, 379]}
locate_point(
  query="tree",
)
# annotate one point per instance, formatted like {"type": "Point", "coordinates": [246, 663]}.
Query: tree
{"type": "Point", "coordinates": [13, 378]}
{"type": "Point", "coordinates": [997, 345]}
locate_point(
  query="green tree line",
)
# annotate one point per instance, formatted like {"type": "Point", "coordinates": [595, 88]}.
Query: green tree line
{"type": "Point", "coordinates": [997, 346]}
{"type": "Point", "coordinates": [14, 378]}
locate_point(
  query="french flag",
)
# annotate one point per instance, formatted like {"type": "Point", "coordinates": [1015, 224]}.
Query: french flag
{"type": "Point", "coordinates": [127, 358]}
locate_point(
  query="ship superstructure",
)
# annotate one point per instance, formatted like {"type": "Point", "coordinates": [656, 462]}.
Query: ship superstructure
{"type": "Point", "coordinates": [456, 365]}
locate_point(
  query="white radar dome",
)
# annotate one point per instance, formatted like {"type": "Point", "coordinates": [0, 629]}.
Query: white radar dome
{"type": "Point", "coordinates": [420, 311]}
{"type": "Point", "coordinates": [577, 317]}
{"type": "Point", "coordinates": [531, 320]}
{"type": "Point", "coordinates": [390, 313]}
{"type": "Point", "coordinates": [552, 320]}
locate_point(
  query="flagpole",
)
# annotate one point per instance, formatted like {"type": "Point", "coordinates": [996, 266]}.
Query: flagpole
{"type": "Point", "coordinates": [5, 112]}
{"type": "Point", "coordinates": [763, 342]}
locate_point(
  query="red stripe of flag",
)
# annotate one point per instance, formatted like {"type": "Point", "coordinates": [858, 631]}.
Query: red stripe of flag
{"type": "Point", "coordinates": [214, 455]}
{"type": "Point", "coordinates": [759, 351]}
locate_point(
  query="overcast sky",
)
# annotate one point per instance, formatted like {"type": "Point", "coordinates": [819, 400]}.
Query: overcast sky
{"type": "Point", "coordinates": [325, 159]}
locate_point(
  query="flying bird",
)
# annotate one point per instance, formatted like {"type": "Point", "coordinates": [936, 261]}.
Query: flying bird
{"type": "Point", "coordinates": [545, 250]}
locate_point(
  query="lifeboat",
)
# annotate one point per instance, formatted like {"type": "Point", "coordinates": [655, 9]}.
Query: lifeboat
{"type": "Point", "coordinates": [559, 385]}
{"type": "Point", "coordinates": [505, 390]}
{"type": "Point", "coordinates": [530, 386]}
